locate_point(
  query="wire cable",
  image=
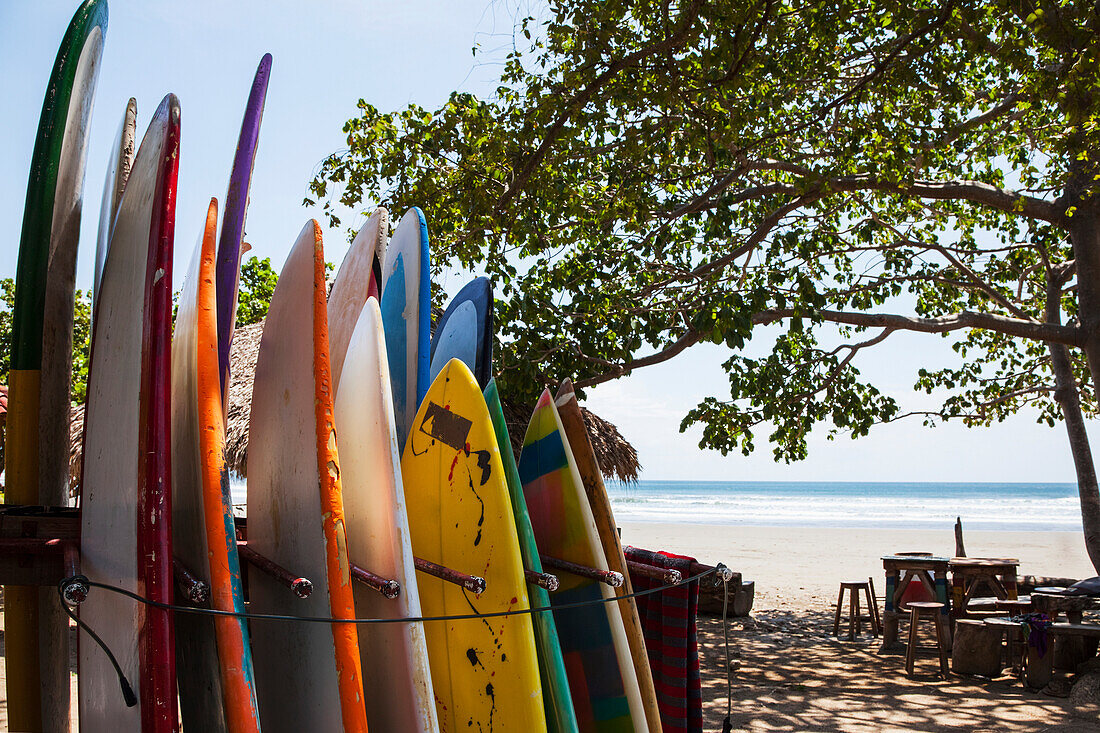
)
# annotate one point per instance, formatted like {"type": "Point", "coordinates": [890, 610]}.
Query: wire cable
{"type": "Point", "coordinates": [128, 690]}
{"type": "Point", "coordinates": [401, 620]}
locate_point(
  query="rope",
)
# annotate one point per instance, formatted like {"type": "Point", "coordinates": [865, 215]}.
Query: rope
{"type": "Point", "coordinates": [727, 722]}
{"type": "Point", "coordinates": [127, 689]}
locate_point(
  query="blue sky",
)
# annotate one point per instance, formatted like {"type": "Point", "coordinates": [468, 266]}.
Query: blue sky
{"type": "Point", "coordinates": [391, 54]}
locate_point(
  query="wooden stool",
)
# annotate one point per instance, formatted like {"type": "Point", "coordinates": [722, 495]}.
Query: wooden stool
{"type": "Point", "coordinates": [976, 649]}
{"type": "Point", "coordinates": [854, 617]}
{"type": "Point", "coordinates": [935, 610]}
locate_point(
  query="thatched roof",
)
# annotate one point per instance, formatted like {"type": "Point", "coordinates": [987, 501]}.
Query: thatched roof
{"type": "Point", "coordinates": [242, 365]}
{"type": "Point", "coordinates": [617, 458]}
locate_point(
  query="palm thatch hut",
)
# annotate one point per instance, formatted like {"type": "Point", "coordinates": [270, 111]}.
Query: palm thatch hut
{"type": "Point", "coordinates": [617, 458]}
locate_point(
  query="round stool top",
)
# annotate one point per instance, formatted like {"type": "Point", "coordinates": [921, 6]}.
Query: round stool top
{"type": "Point", "coordinates": [854, 583]}
{"type": "Point", "coordinates": [924, 604]}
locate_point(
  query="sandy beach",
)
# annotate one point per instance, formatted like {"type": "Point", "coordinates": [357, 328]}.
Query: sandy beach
{"type": "Point", "coordinates": [789, 674]}
{"type": "Point", "coordinates": [804, 564]}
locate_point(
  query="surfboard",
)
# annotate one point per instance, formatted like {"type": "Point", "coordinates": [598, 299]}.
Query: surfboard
{"type": "Point", "coordinates": [394, 656]}
{"type": "Point", "coordinates": [213, 656]}
{"type": "Point", "coordinates": [560, 716]}
{"type": "Point", "coordinates": [236, 205]}
{"type": "Point", "coordinates": [592, 479]}
{"type": "Point", "coordinates": [114, 183]}
{"type": "Point", "coordinates": [485, 672]}
{"type": "Point", "coordinates": [465, 331]}
{"type": "Point", "coordinates": [308, 675]}
{"type": "Point", "coordinates": [601, 673]}
{"type": "Point", "coordinates": [37, 447]}
{"type": "Point", "coordinates": [406, 312]}
{"type": "Point", "coordinates": [125, 515]}
{"type": "Point", "coordinates": [352, 286]}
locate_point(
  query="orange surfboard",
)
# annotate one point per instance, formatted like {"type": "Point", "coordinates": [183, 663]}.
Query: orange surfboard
{"type": "Point", "coordinates": [213, 655]}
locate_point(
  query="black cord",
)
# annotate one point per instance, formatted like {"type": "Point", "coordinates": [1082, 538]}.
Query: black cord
{"type": "Point", "coordinates": [127, 690]}
{"type": "Point", "coordinates": [407, 619]}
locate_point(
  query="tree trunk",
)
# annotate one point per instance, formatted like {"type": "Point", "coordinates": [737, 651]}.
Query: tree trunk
{"type": "Point", "coordinates": [1084, 234]}
{"type": "Point", "coordinates": [1066, 394]}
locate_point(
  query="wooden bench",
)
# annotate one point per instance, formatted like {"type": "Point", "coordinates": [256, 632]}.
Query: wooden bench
{"type": "Point", "coordinates": [1086, 630]}
{"type": "Point", "coordinates": [1040, 670]}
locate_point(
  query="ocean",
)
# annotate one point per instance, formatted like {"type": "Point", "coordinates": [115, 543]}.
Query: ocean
{"type": "Point", "coordinates": [993, 506]}
{"type": "Point", "coordinates": [889, 505]}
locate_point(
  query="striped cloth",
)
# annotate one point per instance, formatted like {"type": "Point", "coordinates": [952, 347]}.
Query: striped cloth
{"type": "Point", "coordinates": [668, 622]}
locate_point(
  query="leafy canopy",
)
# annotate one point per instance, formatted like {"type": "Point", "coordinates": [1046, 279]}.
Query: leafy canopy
{"type": "Point", "coordinates": [651, 175]}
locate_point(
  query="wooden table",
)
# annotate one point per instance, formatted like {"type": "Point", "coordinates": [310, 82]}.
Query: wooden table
{"type": "Point", "coordinates": [970, 573]}
{"type": "Point", "coordinates": [930, 570]}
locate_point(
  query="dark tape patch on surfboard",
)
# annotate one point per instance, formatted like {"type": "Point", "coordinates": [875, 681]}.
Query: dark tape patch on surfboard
{"type": "Point", "coordinates": [445, 426]}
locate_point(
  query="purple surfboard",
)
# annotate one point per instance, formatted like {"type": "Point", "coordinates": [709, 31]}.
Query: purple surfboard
{"type": "Point", "coordinates": [228, 264]}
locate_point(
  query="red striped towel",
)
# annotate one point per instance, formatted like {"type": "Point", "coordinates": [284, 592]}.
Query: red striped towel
{"type": "Point", "coordinates": [668, 622]}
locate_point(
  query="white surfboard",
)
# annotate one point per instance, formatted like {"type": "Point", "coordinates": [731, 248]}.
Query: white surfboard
{"type": "Point", "coordinates": [114, 183]}
{"type": "Point", "coordinates": [351, 287]}
{"type": "Point", "coordinates": [114, 466]}
{"type": "Point", "coordinates": [396, 674]}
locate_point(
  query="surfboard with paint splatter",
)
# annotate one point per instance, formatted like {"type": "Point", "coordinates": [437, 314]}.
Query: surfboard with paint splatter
{"type": "Point", "coordinates": [484, 671]}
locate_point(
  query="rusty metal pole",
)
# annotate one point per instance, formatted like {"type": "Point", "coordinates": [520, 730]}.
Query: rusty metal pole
{"type": "Point", "coordinates": [388, 588]}
{"type": "Point", "coordinates": [472, 583]}
{"type": "Point", "coordinates": [607, 577]}
{"type": "Point", "coordinates": [302, 587]}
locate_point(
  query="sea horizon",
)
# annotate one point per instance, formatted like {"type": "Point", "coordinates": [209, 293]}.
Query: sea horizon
{"type": "Point", "coordinates": [1003, 506]}
{"type": "Point", "coordinates": [992, 505]}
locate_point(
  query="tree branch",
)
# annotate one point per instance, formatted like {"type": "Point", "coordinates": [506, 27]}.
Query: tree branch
{"type": "Point", "coordinates": [1046, 332]}
{"type": "Point", "coordinates": [686, 21]}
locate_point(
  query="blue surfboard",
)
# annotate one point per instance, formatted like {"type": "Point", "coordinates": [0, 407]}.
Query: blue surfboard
{"type": "Point", "coordinates": [406, 310]}
{"type": "Point", "coordinates": [465, 332]}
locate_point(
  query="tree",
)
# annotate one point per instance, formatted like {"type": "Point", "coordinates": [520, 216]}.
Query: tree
{"type": "Point", "coordinates": [257, 285]}
{"type": "Point", "coordinates": [652, 175]}
{"type": "Point", "coordinates": [82, 322]}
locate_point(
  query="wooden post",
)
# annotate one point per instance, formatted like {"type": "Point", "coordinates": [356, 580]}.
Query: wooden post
{"type": "Point", "coordinates": [1040, 670]}
{"type": "Point", "coordinates": [960, 550]}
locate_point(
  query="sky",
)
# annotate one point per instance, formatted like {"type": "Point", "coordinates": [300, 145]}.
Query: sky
{"type": "Point", "coordinates": [324, 60]}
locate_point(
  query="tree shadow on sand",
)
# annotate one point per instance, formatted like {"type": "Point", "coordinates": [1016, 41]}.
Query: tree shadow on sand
{"type": "Point", "coordinates": [791, 674]}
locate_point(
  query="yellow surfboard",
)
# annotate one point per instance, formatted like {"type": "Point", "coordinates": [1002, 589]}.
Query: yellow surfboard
{"type": "Point", "coordinates": [485, 672]}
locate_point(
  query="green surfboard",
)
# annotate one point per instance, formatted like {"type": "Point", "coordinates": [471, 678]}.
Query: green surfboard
{"type": "Point", "coordinates": [560, 716]}
{"type": "Point", "coordinates": [37, 451]}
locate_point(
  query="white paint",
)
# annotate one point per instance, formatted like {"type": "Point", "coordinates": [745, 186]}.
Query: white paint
{"type": "Point", "coordinates": [396, 673]}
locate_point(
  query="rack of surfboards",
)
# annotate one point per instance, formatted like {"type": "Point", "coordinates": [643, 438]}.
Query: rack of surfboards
{"type": "Point", "coordinates": [377, 449]}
